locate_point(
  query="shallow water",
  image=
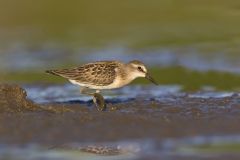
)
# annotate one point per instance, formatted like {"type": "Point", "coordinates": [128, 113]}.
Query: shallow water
{"type": "Point", "coordinates": [24, 60]}
{"type": "Point", "coordinates": [70, 93]}
{"type": "Point", "coordinates": [67, 93]}
{"type": "Point", "coordinates": [201, 147]}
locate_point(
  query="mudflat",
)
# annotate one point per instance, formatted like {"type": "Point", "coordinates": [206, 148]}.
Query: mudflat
{"type": "Point", "coordinates": [23, 121]}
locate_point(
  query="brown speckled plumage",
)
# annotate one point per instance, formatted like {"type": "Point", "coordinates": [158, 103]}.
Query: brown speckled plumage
{"type": "Point", "coordinates": [104, 74]}
{"type": "Point", "coordinates": [98, 73]}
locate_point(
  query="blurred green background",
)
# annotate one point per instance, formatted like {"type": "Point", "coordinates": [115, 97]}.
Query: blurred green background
{"type": "Point", "coordinates": [185, 28]}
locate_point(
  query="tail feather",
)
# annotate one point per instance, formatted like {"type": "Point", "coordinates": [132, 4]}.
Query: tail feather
{"type": "Point", "coordinates": [65, 73]}
{"type": "Point", "coordinates": [53, 72]}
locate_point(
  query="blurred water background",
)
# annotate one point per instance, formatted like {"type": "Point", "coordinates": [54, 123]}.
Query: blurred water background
{"type": "Point", "coordinates": [189, 43]}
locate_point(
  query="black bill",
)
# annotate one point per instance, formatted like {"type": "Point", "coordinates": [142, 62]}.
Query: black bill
{"type": "Point", "coordinates": [151, 79]}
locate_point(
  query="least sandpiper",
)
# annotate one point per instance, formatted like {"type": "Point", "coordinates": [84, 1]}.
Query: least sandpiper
{"type": "Point", "coordinates": [103, 75]}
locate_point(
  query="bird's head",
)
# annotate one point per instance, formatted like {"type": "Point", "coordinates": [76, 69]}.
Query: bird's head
{"type": "Point", "coordinates": [140, 70]}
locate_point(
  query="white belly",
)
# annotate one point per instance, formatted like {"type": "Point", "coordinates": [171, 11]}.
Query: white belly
{"type": "Point", "coordinates": [116, 84]}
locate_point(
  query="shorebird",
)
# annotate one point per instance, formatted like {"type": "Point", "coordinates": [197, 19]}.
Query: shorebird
{"type": "Point", "coordinates": [103, 75]}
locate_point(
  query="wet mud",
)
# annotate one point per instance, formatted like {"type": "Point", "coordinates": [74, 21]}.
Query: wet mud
{"type": "Point", "coordinates": [13, 99]}
{"type": "Point", "coordinates": [158, 118]}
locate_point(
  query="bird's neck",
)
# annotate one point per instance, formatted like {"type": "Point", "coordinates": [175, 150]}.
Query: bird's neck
{"type": "Point", "coordinates": [130, 75]}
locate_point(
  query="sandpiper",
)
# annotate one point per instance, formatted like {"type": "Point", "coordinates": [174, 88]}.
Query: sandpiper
{"type": "Point", "coordinates": [102, 75]}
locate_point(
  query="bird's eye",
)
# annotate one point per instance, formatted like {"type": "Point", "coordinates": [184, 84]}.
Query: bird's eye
{"type": "Point", "coordinates": [140, 69]}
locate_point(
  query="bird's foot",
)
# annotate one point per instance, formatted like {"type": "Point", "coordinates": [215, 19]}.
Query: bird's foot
{"type": "Point", "coordinates": [99, 101]}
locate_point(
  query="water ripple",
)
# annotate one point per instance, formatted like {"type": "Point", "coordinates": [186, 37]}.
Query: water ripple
{"type": "Point", "coordinates": [71, 93]}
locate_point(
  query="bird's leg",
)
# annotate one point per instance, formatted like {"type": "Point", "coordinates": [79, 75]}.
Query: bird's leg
{"type": "Point", "coordinates": [99, 101]}
{"type": "Point", "coordinates": [97, 98]}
